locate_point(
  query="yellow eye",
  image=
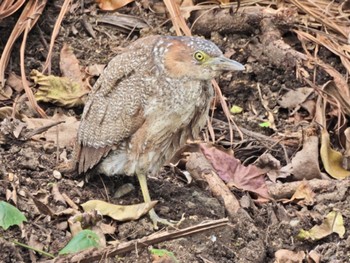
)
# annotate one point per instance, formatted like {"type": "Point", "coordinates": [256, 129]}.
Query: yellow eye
{"type": "Point", "coordinates": [199, 56]}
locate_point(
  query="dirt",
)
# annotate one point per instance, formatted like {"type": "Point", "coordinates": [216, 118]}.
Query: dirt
{"type": "Point", "coordinates": [253, 235]}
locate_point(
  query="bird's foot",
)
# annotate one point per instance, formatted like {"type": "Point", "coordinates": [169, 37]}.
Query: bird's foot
{"type": "Point", "coordinates": [156, 219]}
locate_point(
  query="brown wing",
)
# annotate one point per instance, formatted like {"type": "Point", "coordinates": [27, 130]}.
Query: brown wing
{"type": "Point", "coordinates": [114, 110]}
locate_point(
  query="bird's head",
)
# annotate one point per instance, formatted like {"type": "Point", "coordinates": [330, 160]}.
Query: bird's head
{"type": "Point", "coordinates": [195, 58]}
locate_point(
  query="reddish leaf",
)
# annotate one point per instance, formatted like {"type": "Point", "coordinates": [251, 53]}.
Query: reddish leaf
{"type": "Point", "coordinates": [231, 170]}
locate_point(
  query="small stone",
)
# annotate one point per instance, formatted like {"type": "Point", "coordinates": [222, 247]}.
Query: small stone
{"type": "Point", "coordinates": [57, 174]}
{"type": "Point", "coordinates": [124, 190]}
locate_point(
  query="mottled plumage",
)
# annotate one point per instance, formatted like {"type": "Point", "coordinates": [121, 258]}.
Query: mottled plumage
{"type": "Point", "coordinates": [148, 102]}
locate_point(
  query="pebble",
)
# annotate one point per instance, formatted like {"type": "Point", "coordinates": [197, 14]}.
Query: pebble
{"type": "Point", "coordinates": [57, 174]}
{"type": "Point", "coordinates": [124, 190]}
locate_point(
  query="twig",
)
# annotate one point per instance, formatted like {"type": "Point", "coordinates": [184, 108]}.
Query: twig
{"type": "Point", "coordinates": [93, 254]}
{"type": "Point", "coordinates": [55, 33]}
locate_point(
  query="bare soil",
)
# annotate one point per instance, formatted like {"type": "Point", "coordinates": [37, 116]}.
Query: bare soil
{"type": "Point", "coordinates": [253, 235]}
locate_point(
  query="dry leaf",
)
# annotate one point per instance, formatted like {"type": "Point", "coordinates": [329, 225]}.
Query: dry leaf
{"type": "Point", "coordinates": [59, 90]}
{"type": "Point", "coordinates": [288, 256]}
{"type": "Point", "coordinates": [294, 98]}
{"type": "Point", "coordinates": [64, 134]}
{"type": "Point", "coordinates": [119, 212]}
{"type": "Point", "coordinates": [303, 194]}
{"type": "Point", "coordinates": [110, 5]}
{"type": "Point", "coordinates": [95, 70]}
{"type": "Point", "coordinates": [305, 164]}
{"type": "Point", "coordinates": [313, 257]}
{"type": "Point", "coordinates": [6, 93]}
{"type": "Point", "coordinates": [69, 65]}
{"type": "Point", "coordinates": [332, 160]}
{"type": "Point", "coordinates": [333, 223]}
{"type": "Point", "coordinates": [15, 82]}
{"type": "Point", "coordinates": [231, 170]}
{"type": "Point", "coordinates": [186, 12]}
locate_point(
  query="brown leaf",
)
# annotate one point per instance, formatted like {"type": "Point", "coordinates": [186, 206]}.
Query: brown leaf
{"type": "Point", "coordinates": [305, 164]}
{"type": "Point", "coordinates": [64, 134]}
{"type": "Point", "coordinates": [110, 5]}
{"type": "Point", "coordinates": [69, 65]}
{"type": "Point", "coordinates": [294, 98]}
{"type": "Point", "coordinates": [95, 70]}
{"type": "Point", "coordinates": [303, 194]}
{"type": "Point", "coordinates": [288, 256]}
{"type": "Point", "coordinates": [231, 170]}
{"type": "Point", "coordinates": [6, 93]}
{"type": "Point", "coordinates": [15, 82]}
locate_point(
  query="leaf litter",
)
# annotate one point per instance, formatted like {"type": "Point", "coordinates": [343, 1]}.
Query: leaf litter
{"type": "Point", "coordinates": [313, 69]}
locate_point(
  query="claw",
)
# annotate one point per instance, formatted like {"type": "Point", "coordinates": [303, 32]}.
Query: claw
{"type": "Point", "coordinates": [146, 197]}
{"type": "Point", "coordinates": [156, 219]}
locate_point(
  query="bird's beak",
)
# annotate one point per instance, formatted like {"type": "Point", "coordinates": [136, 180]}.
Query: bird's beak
{"type": "Point", "coordinates": [223, 63]}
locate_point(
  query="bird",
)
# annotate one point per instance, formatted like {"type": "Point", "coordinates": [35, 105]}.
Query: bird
{"type": "Point", "coordinates": [149, 101]}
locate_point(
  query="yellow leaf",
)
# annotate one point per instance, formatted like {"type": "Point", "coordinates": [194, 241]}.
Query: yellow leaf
{"type": "Point", "coordinates": [119, 212]}
{"type": "Point", "coordinates": [236, 109]}
{"type": "Point", "coordinates": [332, 224]}
{"type": "Point", "coordinates": [58, 90]}
{"type": "Point", "coordinates": [331, 159]}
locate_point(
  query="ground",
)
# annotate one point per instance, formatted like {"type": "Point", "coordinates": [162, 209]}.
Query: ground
{"type": "Point", "coordinates": [256, 232]}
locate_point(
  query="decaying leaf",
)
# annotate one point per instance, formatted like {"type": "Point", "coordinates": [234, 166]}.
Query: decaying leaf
{"type": "Point", "coordinates": [235, 174]}
{"type": "Point", "coordinates": [332, 160]}
{"type": "Point", "coordinates": [15, 82]}
{"type": "Point", "coordinates": [303, 194]}
{"type": "Point", "coordinates": [332, 224]}
{"type": "Point", "coordinates": [81, 221]}
{"type": "Point", "coordinates": [185, 10]}
{"type": "Point", "coordinates": [6, 93]}
{"type": "Point", "coordinates": [288, 256]}
{"type": "Point", "coordinates": [58, 90]}
{"type": "Point", "coordinates": [95, 69]}
{"type": "Point", "coordinates": [119, 212]}
{"type": "Point", "coordinates": [294, 98]}
{"type": "Point", "coordinates": [110, 5]}
{"type": "Point", "coordinates": [63, 134]}
{"type": "Point", "coordinates": [69, 65]}
{"type": "Point", "coordinates": [305, 165]}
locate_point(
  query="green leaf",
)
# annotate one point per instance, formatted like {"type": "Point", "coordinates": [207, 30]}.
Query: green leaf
{"type": "Point", "coordinates": [10, 215]}
{"type": "Point", "coordinates": [236, 109]}
{"type": "Point", "coordinates": [164, 254]}
{"type": "Point", "coordinates": [83, 240]}
{"type": "Point", "coordinates": [265, 124]}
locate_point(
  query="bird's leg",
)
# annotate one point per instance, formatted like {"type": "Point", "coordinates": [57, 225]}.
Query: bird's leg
{"type": "Point", "coordinates": [146, 197]}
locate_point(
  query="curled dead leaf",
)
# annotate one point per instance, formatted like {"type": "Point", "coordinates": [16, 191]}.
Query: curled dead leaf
{"type": "Point", "coordinates": [288, 256]}
{"type": "Point", "coordinates": [119, 212]}
{"type": "Point", "coordinates": [332, 160]}
{"type": "Point", "coordinates": [303, 194]}
{"type": "Point", "coordinates": [58, 90]}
